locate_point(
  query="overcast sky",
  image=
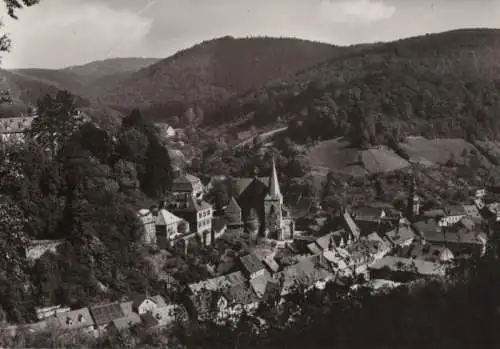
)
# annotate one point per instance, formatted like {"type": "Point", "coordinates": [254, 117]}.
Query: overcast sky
{"type": "Point", "coordinates": [59, 33]}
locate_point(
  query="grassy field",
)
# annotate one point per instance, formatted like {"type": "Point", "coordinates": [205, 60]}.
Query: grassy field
{"type": "Point", "coordinates": [438, 151]}
{"type": "Point", "coordinates": [335, 155]}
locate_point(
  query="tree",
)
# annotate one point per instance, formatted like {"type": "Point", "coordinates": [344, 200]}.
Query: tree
{"type": "Point", "coordinates": [58, 119]}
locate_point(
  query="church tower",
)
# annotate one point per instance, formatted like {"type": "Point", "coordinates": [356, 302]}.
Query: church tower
{"type": "Point", "coordinates": [273, 206]}
{"type": "Point", "coordinates": [413, 208]}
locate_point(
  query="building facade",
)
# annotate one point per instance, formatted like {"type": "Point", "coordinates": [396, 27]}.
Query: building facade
{"type": "Point", "coordinates": [262, 208]}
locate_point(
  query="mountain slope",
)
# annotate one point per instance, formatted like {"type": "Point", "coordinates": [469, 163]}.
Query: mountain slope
{"type": "Point", "coordinates": [112, 66]}
{"type": "Point", "coordinates": [215, 70]}
{"type": "Point", "coordinates": [440, 85]}
{"type": "Point", "coordinates": [26, 88]}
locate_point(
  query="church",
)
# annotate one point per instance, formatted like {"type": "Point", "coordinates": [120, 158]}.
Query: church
{"type": "Point", "coordinates": [258, 207]}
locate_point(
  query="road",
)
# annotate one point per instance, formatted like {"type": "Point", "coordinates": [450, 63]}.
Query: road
{"type": "Point", "coordinates": [263, 136]}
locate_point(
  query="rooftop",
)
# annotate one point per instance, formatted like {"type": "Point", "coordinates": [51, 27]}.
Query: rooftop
{"type": "Point", "coordinates": [15, 125]}
{"type": "Point", "coordinates": [240, 294]}
{"type": "Point", "coordinates": [104, 314]}
{"type": "Point", "coordinates": [401, 264]}
{"type": "Point", "coordinates": [251, 263]}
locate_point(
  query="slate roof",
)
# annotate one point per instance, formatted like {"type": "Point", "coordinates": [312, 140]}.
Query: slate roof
{"type": "Point", "coordinates": [368, 213]}
{"type": "Point", "coordinates": [251, 263]}
{"type": "Point", "coordinates": [240, 294]}
{"type": "Point", "coordinates": [166, 217]}
{"type": "Point", "coordinates": [471, 210]}
{"type": "Point", "coordinates": [259, 284]}
{"type": "Point", "coordinates": [427, 252]}
{"type": "Point", "coordinates": [212, 284]}
{"type": "Point", "coordinates": [303, 273]}
{"type": "Point", "coordinates": [242, 184]}
{"type": "Point", "coordinates": [158, 300]}
{"type": "Point", "coordinates": [104, 314]}
{"type": "Point", "coordinates": [422, 267]}
{"type": "Point", "coordinates": [74, 319]}
{"type": "Point", "coordinates": [126, 322]}
{"type": "Point", "coordinates": [456, 210]}
{"type": "Point", "coordinates": [400, 236]}
{"type": "Point", "coordinates": [351, 226]}
{"type": "Point", "coordinates": [271, 264]}
{"type": "Point", "coordinates": [161, 316]}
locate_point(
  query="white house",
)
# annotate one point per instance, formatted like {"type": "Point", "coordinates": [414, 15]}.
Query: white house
{"type": "Point", "coordinates": [143, 305]}
{"type": "Point", "coordinates": [453, 215]}
{"type": "Point", "coordinates": [14, 129]}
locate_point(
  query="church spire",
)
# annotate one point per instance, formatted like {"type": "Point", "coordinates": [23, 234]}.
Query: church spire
{"type": "Point", "coordinates": [274, 186]}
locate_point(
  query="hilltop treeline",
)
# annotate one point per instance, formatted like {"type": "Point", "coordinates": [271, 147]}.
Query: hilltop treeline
{"type": "Point", "coordinates": [442, 85]}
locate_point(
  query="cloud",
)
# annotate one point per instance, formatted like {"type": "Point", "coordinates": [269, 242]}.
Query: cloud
{"type": "Point", "coordinates": [358, 11]}
{"type": "Point", "coordinates": [53, 33]}
{"type": "Point", "coordinates": [59, 33]}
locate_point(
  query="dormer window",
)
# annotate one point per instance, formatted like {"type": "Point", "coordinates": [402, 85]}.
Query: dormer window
{"type": "Point", "coordinates": [69, 321]}
{"type": "Point", "coordinates": [158, 316]}
{"type": "Point", "coordinates": [81, 318]}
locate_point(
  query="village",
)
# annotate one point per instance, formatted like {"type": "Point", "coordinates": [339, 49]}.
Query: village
{"type": "Point", "coordinates": [375, 245]}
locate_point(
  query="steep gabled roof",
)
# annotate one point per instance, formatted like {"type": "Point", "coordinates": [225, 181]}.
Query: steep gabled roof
{"type": "Point", "coordinates": [240, 294]}
{"type": "Point", "coordinates": [274, 185]}
{"type": "Point", "coordinates": [251, 263]}
{"type": "Point", "coordinates": [166, 217]}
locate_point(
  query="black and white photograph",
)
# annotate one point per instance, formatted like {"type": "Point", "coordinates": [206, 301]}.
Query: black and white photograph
{"type": "Point", "coordinates": [250, 174]}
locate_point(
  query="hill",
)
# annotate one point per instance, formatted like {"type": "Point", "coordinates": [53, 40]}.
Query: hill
{"type": "Point", "coordinates": [439, 85]}
{"type": "Point", "coordinates": [214, 70]}
{"type": "Point", "coordinates": [112, 66]}
{"type": "Point", "coordinates": [26, 86]}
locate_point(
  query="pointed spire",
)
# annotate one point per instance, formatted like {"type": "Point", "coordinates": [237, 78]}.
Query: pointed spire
{"type": "Point", "coordinates": [274, 186]}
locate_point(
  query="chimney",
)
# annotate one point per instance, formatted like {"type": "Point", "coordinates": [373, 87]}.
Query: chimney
{"type": "Point", "coordinates": [154, 210]}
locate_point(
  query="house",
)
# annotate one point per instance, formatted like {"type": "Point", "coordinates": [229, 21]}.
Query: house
{"type": "Point", "coordinates": [369, 214]}
{"type": "Point", "coordinates": [404, 269]}
{"type": "Point", "coordinates": [165, 130]}
{"type": "Point", "coordinates": [148, 221]}
{"type": "Point", "coordinates": [303, 274]}
{"type": "Point", "coordinates": [427, 252]}
{"type": "Point", "coordinates": [234, 301]}
{"type": "Point", "coordinates": [434, 214]}
{"type": "Point", "coordinates": [161, 226]}
{"type": "Point", "coordinates": [43, 313]}
{"type": "Point", "coordinates": [170, 227]}
{"type": "Point", "coordinates": [471, 211]}
{"type": "Point", "coordinates": [233, 214]}
{"type": "Point", "coordinates": [74, 320]}
{"type": "Point", "coordinates": [143, 305]}
{"type": "Point", "coordinates": [453, 215]}
{"type": "Point", "coordinates": [13, 130]}
{"type": "Point", "coordinates": [124, 323]}
{"type": "Point", "coordinates": [37, 248]}
{"type": "Point", "coordinates": [402, 235]}
{"type": "Point", "coordinates": [187, 185]}
{"type": "Point", "coordinates": [263, 197]}
{"type": "Point", "coordinates": [104, 314]}
{"type": "Point", "coordinates": [346, 222]}
{"type": "Point", "coordinates": [164, 316]}
{"type": "Point", "coordinates": [252, 266]}
{"type": "Point", "coordinates": [460, 240]}
{"type": "Point", "coordinates": [187, 202]}
{"type": "Point", "coordinates": [259, 283]}
{"type": "Point", "coordinates": [271, 265]}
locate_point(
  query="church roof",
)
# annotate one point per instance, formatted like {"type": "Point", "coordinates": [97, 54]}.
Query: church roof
{"type": "Point", "coordinates": [243, 183]}
{"type": "Point", "coordinates": [233, 205]}
{"type": "Point", "coordinates": [274, 185]}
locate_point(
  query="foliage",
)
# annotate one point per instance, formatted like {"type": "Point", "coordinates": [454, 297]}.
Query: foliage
{"type": "Point", "coordinates": [85, 191]}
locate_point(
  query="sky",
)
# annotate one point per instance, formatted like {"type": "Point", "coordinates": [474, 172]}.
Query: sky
{"type": "Point", "coordinates": [60, 33]}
